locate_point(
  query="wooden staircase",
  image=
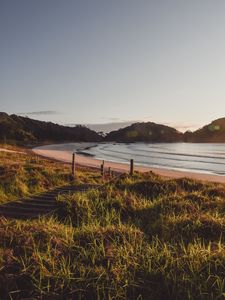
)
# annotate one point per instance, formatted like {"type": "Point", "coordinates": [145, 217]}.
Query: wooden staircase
{"type": "Point", "coordinates": [40, 204]}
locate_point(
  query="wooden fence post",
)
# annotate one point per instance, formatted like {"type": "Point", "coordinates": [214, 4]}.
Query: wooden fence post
{"type": "Point", "coordinates": [102, 169]}
{"type": "Point", "coordinates": [73, 164]}
{"type": "Point", "coordinates": [131, 167]}
{"type": "Point", "coordinates": [109, 172]}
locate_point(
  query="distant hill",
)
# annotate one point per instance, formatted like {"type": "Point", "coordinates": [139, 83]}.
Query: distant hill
{"type": "Point", "coordinates": [211, 133]}
{"type": "Point", "coordinates": [23, 129]}
{"type": "Point", "coordinates": [145, 132]}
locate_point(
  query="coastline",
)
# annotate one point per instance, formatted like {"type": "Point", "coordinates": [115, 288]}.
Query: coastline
{"type": "Point", "coordinates": [49, 151]}
{"type": "Point", "coordinates": [11, 151]}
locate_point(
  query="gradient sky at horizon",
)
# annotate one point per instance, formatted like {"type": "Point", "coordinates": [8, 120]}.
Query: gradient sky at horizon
{"type": "Point", "coordinates": [100, 61]}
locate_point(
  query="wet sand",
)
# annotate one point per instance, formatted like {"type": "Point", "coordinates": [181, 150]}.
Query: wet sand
{"type": "Point", "coordinates": [50, 151]}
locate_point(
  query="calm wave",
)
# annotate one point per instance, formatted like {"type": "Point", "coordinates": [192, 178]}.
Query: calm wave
{"type": "Point", "coordinates": [202, 158]}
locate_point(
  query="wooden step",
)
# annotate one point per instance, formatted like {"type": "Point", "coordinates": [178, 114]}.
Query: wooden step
{"type": "Point", "coordinates": [39, 204]}
{"type": "Point", "coordinates": [28, 206]}
{"type": "Point", "coordinates": [33, 203]}
{"type": "Point", "coordinates": [44, 197]}
{"type": "Point", "coordinates": [23, 209]}
{"type": "Point", "coordinates": [16, 215]}
{"type": "Point", "coordinates": [39, 200]}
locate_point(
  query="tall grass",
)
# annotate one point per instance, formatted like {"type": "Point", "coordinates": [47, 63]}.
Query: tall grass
{"type": "Point", "coordinates": [137, 238]}
{"type": "Point", "coordinates": [26, 174]}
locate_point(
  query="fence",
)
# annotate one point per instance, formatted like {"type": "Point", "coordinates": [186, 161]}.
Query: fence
{"type": "Point", "coordinates": [103, 170]}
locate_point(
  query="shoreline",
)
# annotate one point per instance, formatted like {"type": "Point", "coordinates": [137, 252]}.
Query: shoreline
{"type": "Point", "coordinates": [49, 151]}
{"type": "Point", "coordinates": [11, 151]}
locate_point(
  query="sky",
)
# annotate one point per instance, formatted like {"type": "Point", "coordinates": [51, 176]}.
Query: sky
{"type": "Point", "coordinates": [113, 61]}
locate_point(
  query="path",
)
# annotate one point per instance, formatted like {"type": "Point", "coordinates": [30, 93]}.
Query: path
{"type": "Point", "coordinates": [39, 204]}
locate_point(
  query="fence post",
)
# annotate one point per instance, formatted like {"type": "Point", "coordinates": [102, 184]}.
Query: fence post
{"type": "Point", "coordinates": [102, 169]}
{"type": "Point", "coordinates": [73, 164]}
{"type": "Point", "coordinates": [131, 167]}
{"type": "Point", "coordinates": [109, 172]}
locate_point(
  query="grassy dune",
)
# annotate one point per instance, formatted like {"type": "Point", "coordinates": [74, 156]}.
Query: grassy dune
{"type": "Point", "coordinates": [23, 174]}
{"type": "Point", "coordinates": [137, 238]}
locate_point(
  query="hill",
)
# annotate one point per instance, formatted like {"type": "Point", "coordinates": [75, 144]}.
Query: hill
{"type": "Point", "coordinates": [211, 133]}
{"type": "Point", "coordinates": [23, 129]}
{"type": "Point", "coordinates": [152, 132]}
{"type": "Point", "coordinates": [145, 132]}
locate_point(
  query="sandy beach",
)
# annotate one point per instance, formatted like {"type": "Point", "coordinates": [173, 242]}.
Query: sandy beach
{"type": "Point", "coordinates": [11, 151]}
{"type": "Point", "coordinates": [65, 155]}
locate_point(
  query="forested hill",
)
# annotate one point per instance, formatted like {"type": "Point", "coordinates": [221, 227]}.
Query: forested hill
{"type": "Point", "coordinates": [145, 132]}
{"type": "Point", "coordinates": [211, 133]}
{"type": "Point", "coordinates": [23, 129]}
{"type": "Point", "coordinates": [152, 132]}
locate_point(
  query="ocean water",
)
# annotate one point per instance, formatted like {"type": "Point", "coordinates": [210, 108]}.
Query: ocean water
{"type": "Point", "coordinates": [200, 158]}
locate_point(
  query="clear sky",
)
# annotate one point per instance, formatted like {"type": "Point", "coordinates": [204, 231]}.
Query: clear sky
{"type": "Point", "coordinates": [101, 61]}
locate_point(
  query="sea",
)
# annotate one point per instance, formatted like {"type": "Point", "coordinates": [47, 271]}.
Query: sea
{"type": "Point", "coordinates": [194, 157]}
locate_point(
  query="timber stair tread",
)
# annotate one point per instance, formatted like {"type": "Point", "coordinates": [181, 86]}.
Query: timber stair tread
{"type": "Point", "coordinates": [39, 204]}
{"type": "Point", "coordinates": [30, 204]}
{"type": "Point", "coordinates": [25, 208]}
{"type": "Point", "coordinates": [20, 215]}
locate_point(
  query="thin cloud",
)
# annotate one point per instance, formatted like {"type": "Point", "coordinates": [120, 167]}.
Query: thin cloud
{"type": "Point", "coordinates": [40, 113]}
{"type": "Point", "coordinates": [103, 127]}
{"type": "Point", "coordinates": [107, 127]}
{"type": "Point", "coordinates": [113, 119]}
{"type": "Point", "coordinates": [147, 118]}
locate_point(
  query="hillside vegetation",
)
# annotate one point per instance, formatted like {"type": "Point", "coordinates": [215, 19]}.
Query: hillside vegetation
{"type": "Point", "coordinates": [22, 130]}
{"type": "Point", "coordinates": [156, 133]}
{"type": "Point", "coordinates": [145, 132]}
{"type": "Point", "coordinates": [19, 129]}
{"type": "Point", "coordinates": [140, 237]}
{"type": "Point", "coordinates": [211, 133]}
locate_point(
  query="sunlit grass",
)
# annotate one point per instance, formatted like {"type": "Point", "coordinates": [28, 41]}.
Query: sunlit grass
{"type": "Point", "coordinates": [141, 237]}
{"type": "Point", "coordinates": [26, 174]}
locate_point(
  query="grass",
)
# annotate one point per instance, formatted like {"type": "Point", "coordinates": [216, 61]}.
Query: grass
{"type": "Point", "coordinates": [140, 237]}
{"type": "Point", "coordinates": [23, 174]}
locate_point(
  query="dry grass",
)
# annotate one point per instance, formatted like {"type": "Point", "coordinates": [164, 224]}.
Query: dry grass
{"type": "Point", "coordinates": [138, 238]}
{"type": "Point", "coordinates": [26, 174]}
